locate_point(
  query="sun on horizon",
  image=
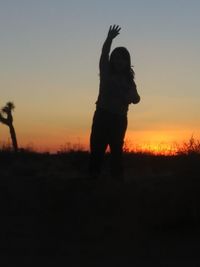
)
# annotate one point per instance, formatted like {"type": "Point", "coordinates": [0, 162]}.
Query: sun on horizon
{"type": "Point", "coordinates": [160, 147]}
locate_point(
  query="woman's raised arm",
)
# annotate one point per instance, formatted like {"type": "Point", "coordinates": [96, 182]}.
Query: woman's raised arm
{"type": "Point", "coordinates": [104, 59]}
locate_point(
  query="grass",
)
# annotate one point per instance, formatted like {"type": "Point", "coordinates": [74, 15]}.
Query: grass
{"type": "Point", "coordinates": [52, 214]}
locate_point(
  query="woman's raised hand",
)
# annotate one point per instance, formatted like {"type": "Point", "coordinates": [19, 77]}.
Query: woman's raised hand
{"type": "Point", "coordinates": [113, 31]}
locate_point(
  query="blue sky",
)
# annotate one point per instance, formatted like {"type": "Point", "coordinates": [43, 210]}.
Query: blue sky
{"type": "Point", "coordinates": [49, 66]}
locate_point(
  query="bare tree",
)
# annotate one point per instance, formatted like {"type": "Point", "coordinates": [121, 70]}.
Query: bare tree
{"type": "Point", "coordinates": [8, 120]}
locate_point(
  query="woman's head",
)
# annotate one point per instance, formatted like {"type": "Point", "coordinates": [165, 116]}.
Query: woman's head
{"type": "Point", "coordinates": [120, 61]}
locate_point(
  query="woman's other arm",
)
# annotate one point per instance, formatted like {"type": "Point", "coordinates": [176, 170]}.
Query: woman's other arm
{"type": "Point", "coordinates": [133, 94]}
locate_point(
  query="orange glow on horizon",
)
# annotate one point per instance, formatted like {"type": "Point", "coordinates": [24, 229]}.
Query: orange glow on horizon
{"type": "Point", "coordinates": [164, 149]}
{"type": "Point", "coordinates": [156, 142]}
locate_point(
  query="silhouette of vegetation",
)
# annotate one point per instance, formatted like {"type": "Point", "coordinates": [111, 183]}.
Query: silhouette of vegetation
{"type": "Point", "coordinates": [191, 147]}
{"type": "Point", "coordinates": [8, 121]}
{"type": "Point", "coordinates": [53, 205]}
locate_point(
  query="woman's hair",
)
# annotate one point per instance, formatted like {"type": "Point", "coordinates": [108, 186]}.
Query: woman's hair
{"type": "Point", "coordinates": [122, 51]}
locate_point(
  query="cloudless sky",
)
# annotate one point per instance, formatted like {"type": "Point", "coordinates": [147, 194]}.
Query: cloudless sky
{"type": "Point", "coordinates": [49, 52]}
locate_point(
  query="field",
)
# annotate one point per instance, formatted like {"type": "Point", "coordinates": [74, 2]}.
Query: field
{"type": "Point", "coordinates": [53, 215]}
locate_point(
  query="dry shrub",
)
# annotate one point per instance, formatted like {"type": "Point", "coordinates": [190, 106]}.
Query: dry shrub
{"type": "Point", "coordinates": [190, 147]}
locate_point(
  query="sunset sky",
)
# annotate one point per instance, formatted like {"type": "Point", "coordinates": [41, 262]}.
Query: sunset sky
{"type": "Point", "coordinates": [49, 54]}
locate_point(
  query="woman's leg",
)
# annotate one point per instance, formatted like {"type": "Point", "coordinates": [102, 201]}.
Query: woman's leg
{"type": "Point", "coordinates": [98, 143]}
{"type": "Point", "coordinates": [117, 134]}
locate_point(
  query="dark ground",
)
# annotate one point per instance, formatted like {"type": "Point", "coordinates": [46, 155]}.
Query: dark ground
{"type": "Point", "coordinates": [52, 215]}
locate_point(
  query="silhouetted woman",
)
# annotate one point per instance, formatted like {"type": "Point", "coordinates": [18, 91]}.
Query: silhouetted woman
{"type": "Point", "coordinates": [116, 91]}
